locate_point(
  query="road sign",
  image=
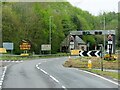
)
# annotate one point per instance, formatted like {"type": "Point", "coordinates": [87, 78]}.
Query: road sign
{"type": "Point", "coordinates": [89, 53]}
{"type": "Point", "coordinates": [74, 52]}
{"type": "Point", "coordinates": [8, 45]}
{"type": "Point", "coordinates": [46, 47]}
{"type": "Point", "coordinates": [110, 38]}
{"type": "Point", "coordinates": [25, 46]}
{"type": "Point", "coordinates": [3, 50]}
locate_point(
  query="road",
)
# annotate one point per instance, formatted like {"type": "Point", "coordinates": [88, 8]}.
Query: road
{"type": "Point", "coordinates": [49, 73]}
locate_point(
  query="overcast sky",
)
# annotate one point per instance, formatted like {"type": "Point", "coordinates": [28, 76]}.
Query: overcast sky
{"type": "Point", "coordinates": [96, 6]}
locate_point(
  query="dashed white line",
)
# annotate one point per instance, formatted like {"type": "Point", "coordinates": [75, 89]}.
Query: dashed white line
{"type": "Point", "coordinates": [39, 63]}
{"type": "Point", "coordinates": [102, 77]}
{"type": "Point", "coordinates": [63, 87]}
{"type": "Point", "coordinates": [43, 71]}
{"type": "Point", "coordinates": [54, 79]}
{"type": "Point", "coordinates": [37, 66]}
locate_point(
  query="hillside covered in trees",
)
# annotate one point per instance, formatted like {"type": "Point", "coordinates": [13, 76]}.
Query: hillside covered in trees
{"type": "Point", "coordinates": [31, 21]}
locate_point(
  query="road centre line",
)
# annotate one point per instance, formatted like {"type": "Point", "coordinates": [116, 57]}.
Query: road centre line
{"type": "Point", "coordinates": [101, 77]}
{"type": "Point", "coordinates": [54, 78]}
{"type": "Point", "coordinates": [63, 87]}
{"type": "Point", "coordinates": [44, 71]}
{"type": "Point", "coordinates": [37, 66]}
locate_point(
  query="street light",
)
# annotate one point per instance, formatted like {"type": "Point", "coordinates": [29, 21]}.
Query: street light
{"type": "Point", "coordinates": [101, 47]}
{"type": "Point", "coordinates": [50, 28]}
{"type": "Point", "coordinates": [104, 34]}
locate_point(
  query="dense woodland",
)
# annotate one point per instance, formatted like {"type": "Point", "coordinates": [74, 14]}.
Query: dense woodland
{"type": "Point", "coordinates": [31, 21]}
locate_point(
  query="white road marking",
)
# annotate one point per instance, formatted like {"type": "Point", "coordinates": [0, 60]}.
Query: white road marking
{"type": "Point", "coordinates": [37, 66]}
{"type": "Point", "coordinates": [3, 75]}
{"type": "Point", "coordinates": [102, 77]}
{"type": "Point", "coordinates": [39, 63]}
{"type": "Point", "coordinates": [2, 79]}
{"type": "Point", "coordinates": [21, 61]}
{"type": "Point", "coordinates": [0, 84]}
{"type": "Point", "coordinates": [54, 79]}
{"type": "Point", "coordinates": [43, 71]}
{"type": "Point", "coordinates": [63, 87]}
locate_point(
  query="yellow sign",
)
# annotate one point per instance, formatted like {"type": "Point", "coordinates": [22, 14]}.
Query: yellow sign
{"type": "Point", "coordinates": [25, 46]}
{"type": "Point", "coordinates": [24, 54]}
{"type": "Point", "coordinates": [3, 50]}
{"type": "Point", "coordinates": [74, 52]}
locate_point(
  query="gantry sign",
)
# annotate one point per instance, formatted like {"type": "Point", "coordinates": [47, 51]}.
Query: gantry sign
{"type": "Point", "coordinates": [97, 32]}
{"type": "Point", "coordinates": [93, 32]}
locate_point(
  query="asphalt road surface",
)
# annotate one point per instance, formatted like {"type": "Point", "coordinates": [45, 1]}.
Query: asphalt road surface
{"type": "Point", "coordinates": [49, 73]}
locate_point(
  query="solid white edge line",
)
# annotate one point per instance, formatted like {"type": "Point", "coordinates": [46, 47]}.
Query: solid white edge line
{"type": "Point", "coordinates": [102, 77]}
{"type": "Point", "coordinates": [54, 79]}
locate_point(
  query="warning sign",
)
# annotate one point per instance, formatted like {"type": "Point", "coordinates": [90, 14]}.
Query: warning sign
{"type": "Point", "coordinates": [25, 46]}
{"type": "Point", "coordinates": [110, 38]}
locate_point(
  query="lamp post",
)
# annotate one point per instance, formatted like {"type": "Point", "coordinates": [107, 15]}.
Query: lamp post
{"type": "Point", "coordinates": [50, 28]}
{"type": "Point", "coordinates": [101, 47]}
{"type": "Point", "coordinates": [104, 34]}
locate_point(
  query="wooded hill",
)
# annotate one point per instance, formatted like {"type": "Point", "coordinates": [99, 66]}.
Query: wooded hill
{"type": "Point", "coordinates": [31, 21]}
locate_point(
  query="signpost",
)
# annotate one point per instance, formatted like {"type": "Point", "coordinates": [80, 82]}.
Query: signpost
{"type": "Point", "coordinates": [8, 46]}
{"type": "Point", "coordinates": [101, 49]}
{"type": "Point", "coordinates": [46, 47]}
{"type": "Point", "coordinates": [110, 42]}
{"type": "Point", "coordinates": [25, 46]}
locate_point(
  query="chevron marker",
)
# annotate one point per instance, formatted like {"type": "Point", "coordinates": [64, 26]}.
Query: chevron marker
{"type": "Point", "coordinates": [81, 53]}
{"type": "Point", "coordinates": [89, 53]}
{"type": "Point", "coordinates": [97, 53]}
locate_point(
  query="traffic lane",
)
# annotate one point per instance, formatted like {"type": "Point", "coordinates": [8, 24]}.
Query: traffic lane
{"type": "Point", "coordinates": [25, 75]}
{"type": "Point", "coordinates": [74, 78]}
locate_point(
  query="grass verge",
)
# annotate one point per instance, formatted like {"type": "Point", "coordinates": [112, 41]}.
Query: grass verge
{"type": "Point", "coordinates": [104, 73]}
{"type": "Point", "coordinates": [82, 63]}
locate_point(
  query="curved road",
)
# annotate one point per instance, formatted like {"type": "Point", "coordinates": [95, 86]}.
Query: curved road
{"type": "Point", "coordinates": [49, 73]}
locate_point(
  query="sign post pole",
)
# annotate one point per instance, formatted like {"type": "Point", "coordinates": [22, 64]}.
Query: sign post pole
{"type": "Point", "coordinates": [101, 48]}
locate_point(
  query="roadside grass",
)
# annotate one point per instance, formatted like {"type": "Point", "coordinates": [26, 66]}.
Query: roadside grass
{"type": "Point", "coordinates": [15, 58]}
{"type": "Point", "coordinates": [82, 63]}
{"type": "Point", "coordinates": [108, 74]}
{"type": "Point", "coordinates": [10, 57]}
{"type": "Point", "coordinates": [96, 63]}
